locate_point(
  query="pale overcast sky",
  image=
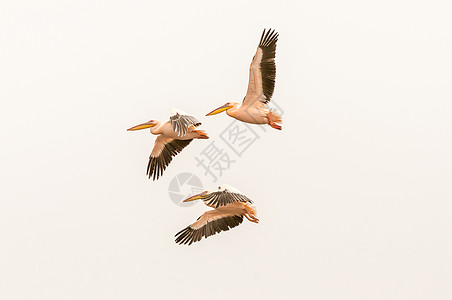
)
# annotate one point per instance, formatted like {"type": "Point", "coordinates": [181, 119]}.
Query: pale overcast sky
{"type": "Point", "coordinates": [354, 194]}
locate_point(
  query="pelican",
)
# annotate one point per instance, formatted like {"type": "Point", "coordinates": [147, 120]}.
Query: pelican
{"type": "Point", "coordinates": [173, 136]}
{"type": "Point", "coordinates": [254, 108]}
{"type": "Point", "coordinates": [230, 206]}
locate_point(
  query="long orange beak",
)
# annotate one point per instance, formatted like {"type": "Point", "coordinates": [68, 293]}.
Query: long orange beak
{"type": "Point", "coordinates": [219, 110]}
{"type": "Point", "coordinates": [141, 126]}
{"type": "Point", "coordinates": [196, 197]}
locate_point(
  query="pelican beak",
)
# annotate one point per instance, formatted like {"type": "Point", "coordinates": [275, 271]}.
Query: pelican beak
{"type": "Point", "coordinates": [219, 110]}
{"type": "Point", "coordinates": [141, 126]}
{"type": "Point", "coordinates": [196, 197]}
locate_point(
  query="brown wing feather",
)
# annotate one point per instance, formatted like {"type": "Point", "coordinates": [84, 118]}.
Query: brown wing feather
{"type": "Point", "coordinates": [210, 223]}
{"type": "Point", "coordinates": [222, 198]}
{"type": "Point", "coordinates": [263, 69]}
{"type": "Point", "coordinates": [268, 66]}
{"type": "Point", "coordinates": [162, 154]}
{"type": "Point", "coordinates": [181, 123]}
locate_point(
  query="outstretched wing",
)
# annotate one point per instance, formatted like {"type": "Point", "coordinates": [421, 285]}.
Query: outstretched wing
{"type": "Point", "coordinates": [222, 198]}
{"type": "Point", "coordinates": [181, 123]}
{"type": "Point", "coordinates": [262, 70]}
{"type": "Point", "coordinates": [210, 223]}
{"type": "Point", "coordinates": [164, 150]}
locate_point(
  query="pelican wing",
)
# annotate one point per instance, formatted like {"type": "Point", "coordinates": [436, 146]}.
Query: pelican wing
{"type": "Point", "coordinates": [210, 223]}
{"type": "Point", "coordinates": [164, 150]}
{"type": "Point", "coordinates": [181, 123]}
{"type": "Point", "coordinates": [222, 198]}
{"type": "Point", "coordinates": [262, 70]}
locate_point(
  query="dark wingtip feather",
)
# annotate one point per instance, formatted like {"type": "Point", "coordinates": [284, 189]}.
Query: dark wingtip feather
{"type": "Point", "coordinates": [268, 38]}
{"type": "Point", "coordinates": [157, 165]}
{"type": "Point", "coordinates": [268, 66]}
{"type": "Point", "coordinates": [189, 235]}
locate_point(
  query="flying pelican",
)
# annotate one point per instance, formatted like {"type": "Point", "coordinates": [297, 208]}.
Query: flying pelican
{"type": "Point", "coordinates": [254, 108]}
{"type": "Point", "coordinates": [229, 208]}
{"type": "Point", "coordinates": [174, 135]}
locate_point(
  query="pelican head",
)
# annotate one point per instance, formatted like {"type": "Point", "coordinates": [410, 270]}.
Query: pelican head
{"type": "Point", "coordinates": [223, 108]}
{"type": "Point", "coordinates": [197, 196]}
{"type": "Point", "coordinates": [148, 124]}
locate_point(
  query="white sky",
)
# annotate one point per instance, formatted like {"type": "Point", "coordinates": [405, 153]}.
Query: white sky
{"type": "Point", "coordinates": [354, 194]}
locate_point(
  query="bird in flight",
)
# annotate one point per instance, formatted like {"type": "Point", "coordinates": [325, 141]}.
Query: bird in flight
{"type": "Point", "coordinates": [230, 206]}
{"type": "Point", "coordinates": [254, 108]}
{"type": "Point", "coordinates": [173, 136]}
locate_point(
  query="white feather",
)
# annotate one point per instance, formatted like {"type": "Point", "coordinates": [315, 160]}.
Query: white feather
{"type": "Point", "coordinates": [229, 188]}
{"type": "Point", "coordinates": [178, 111]}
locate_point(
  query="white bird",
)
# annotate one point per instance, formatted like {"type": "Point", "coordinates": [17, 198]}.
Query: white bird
{"type": "Point", "coordinates": [173, 136]}
{"type": "Point", "coordinates": [254, 108]}
{"type": "Point", "coordinates": [230, 206]}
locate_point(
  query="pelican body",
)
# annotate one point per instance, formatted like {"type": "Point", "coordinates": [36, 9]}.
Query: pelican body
{"type": "Point", "coordinates": [230, 206]}
{"type": "Point", "coordinates": [173, 136]}
{"type": "Point", "coordinates": [254, 108]}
